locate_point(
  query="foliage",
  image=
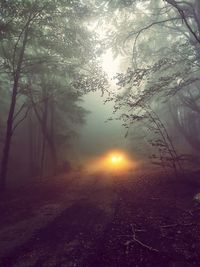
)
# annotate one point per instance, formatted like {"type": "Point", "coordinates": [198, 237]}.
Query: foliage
{"type": "Point", "coordinates": [161, 41]}
{"type": "Point", "coordinates": [44, 46]}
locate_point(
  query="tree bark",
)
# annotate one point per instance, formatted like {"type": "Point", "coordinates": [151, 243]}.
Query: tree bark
{"type": "Point", "coordinates": [9, 129]}
{"type": "Point", "coordinates": [47, 136]}
{"type": "Point", "coordinates": [44, 123]}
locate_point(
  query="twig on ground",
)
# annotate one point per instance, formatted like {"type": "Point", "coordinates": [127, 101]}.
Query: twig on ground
{"type": "Point", "coordinates": [134, 239]}
{"type": "Point", "coordinates": [176, 224]}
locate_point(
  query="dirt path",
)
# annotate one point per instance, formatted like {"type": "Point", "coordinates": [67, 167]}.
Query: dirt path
{"type": "Point", "coordinates": [62, 231]}
{"type": "Point", "coordinates": [104, 221]}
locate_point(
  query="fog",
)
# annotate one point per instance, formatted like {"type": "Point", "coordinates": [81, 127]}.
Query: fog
{"type": "Point", "coordinates": [99, 133]}
{"type": "Point", "coordinates": [98, 136]}
{"type": "Point", "coordinates": [111, 79]}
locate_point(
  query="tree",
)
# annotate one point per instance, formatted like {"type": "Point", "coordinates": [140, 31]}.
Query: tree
{"type": "Point", "coordinates": [39, 37]}
{"type": "Point", "coordinates": [185, 111]}
{"type": "Point", "coordinates": [161, 41]}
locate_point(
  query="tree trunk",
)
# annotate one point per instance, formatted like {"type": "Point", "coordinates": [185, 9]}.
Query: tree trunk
{"type": "Point", "coordinates": [197, 10]}
{"type": "Point", "coordinates": [47, 136]}
{"type": "Point", "coordinates": [52, 134]}
{"type": "Point", "coordinates": [44, 123]}
{"type": "Point", "coordinates": [9, 129]}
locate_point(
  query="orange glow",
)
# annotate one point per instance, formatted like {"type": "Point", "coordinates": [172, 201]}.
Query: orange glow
{"type": "Point", "coordinates": [116, 159]}
{"type": "Point", "coordinates": [113, 161]}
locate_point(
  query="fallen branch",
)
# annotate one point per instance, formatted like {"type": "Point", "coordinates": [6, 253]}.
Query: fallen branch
{"type": "Point", "coordinates": [176, 224]}
{"type": "Point", "coordinates": [134, 239]}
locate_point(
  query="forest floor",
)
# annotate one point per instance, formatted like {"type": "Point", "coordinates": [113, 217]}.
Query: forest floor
{"type": "Point", "coordinates": [101, 221]}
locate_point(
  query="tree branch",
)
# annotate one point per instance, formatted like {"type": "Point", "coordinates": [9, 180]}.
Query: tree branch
{"type": "Point", "coordinates": [21, 120]}
{"type": "Point", "coordinates": [19, 111]}
{"type": "Point", "coordinates": [134, 239]}
{"type": "Point", "coordinates": [137, 33]}
{"type": "Point", "coordinates": [183, 17]}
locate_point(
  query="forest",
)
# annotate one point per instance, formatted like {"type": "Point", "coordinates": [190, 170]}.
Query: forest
{"type": "Point", "coordinates": [99, 133]}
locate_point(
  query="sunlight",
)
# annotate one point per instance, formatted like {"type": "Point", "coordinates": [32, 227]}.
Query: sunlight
{"type": "Point", "coordinates": [110, 64]}
{"type": "Point", "coordinates": [112, 162]}
{"type": "Point", "coordinates": [116, 159]}
{"type": "Point", "coordinates": [142, 7]}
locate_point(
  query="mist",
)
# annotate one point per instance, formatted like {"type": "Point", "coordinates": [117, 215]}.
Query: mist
{"type": "Point", "coordinates": [99, 133]}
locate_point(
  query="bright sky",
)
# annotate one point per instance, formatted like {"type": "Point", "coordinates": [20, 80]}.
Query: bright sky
{"type": "Point", "coordinates": [109, 64]}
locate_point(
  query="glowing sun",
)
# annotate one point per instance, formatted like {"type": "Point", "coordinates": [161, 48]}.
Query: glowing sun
{"type": "Point", "coordinates": [116, 159]}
